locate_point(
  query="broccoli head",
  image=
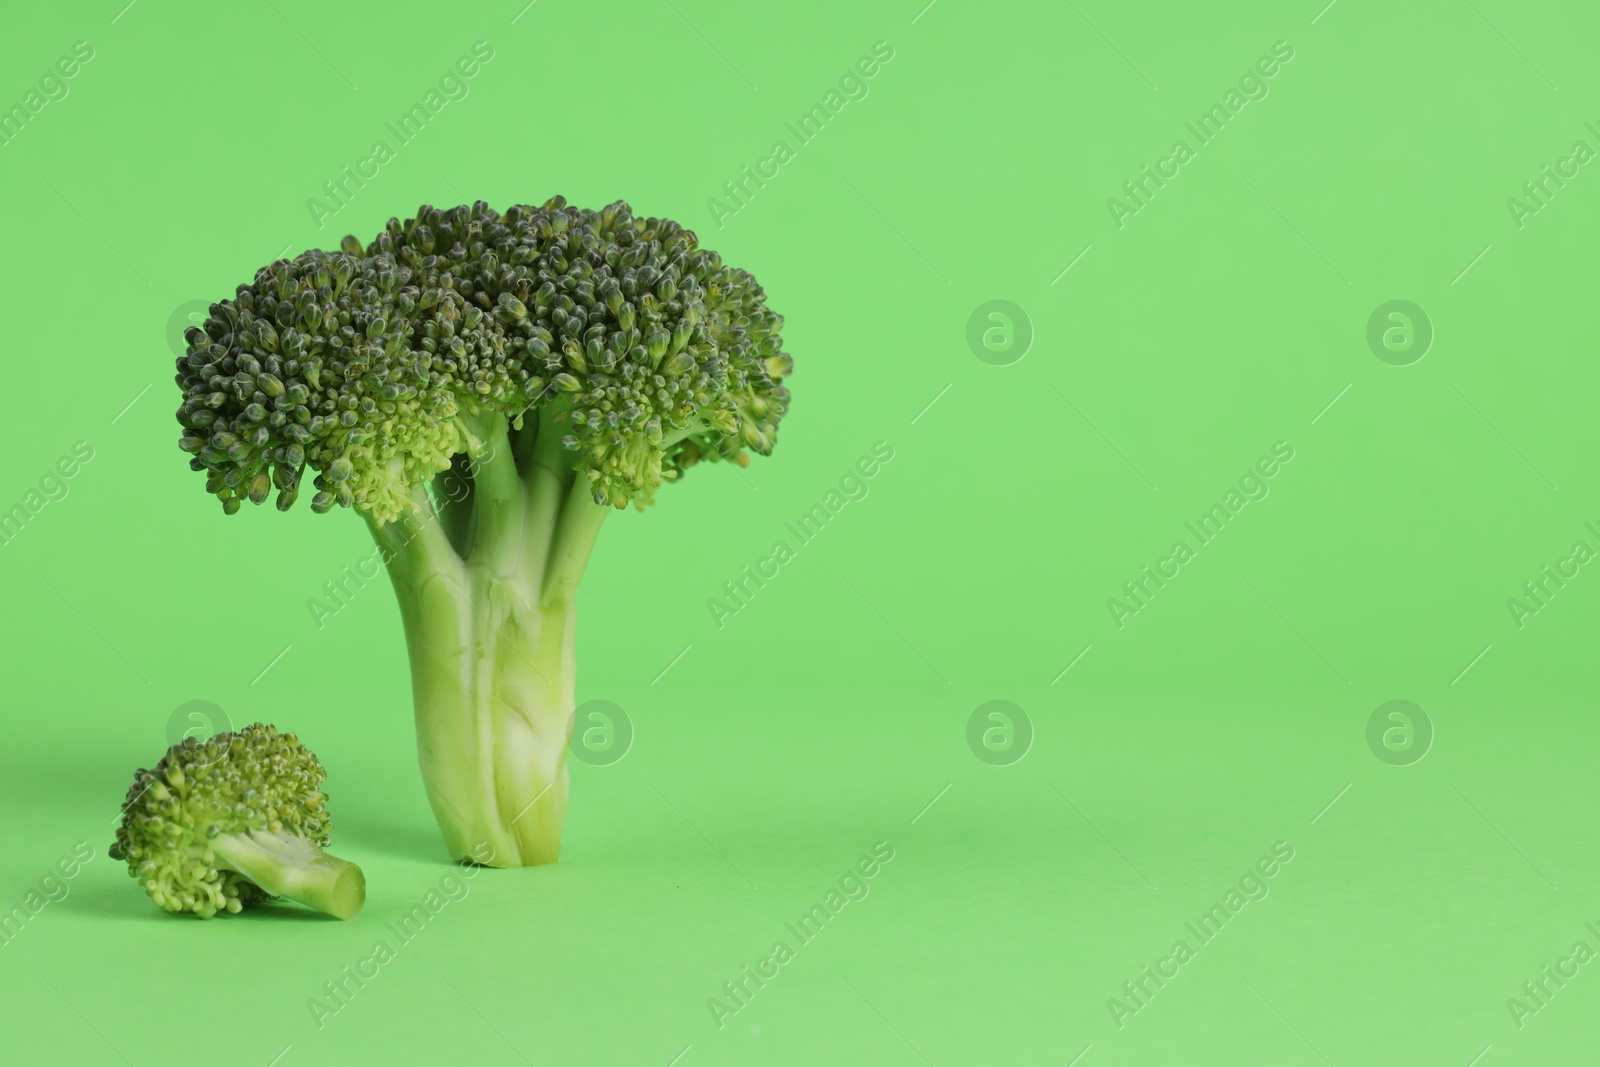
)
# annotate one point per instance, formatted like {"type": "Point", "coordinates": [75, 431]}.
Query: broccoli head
{"type": "Point", "coordinates": [484, 389]}
{"type": "Point", "coordinates": [376, 366]}
{"type": "Point", "coordinates": [222, 824]}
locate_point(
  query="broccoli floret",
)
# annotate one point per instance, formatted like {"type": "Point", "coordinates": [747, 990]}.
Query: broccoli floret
{"type": "Point", "coordinates": [236, 820]}
{"type": "Point", "coordinates": [484, 389]}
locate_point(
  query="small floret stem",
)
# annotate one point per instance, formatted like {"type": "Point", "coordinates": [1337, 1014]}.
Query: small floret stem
{"type": "Point", "coordinates": [453, 501]}
{"type": "Point", "coordinates": [575, 536]}
{"type": "Point", "coordinates": [418, 541]}
{"type": "Point", "coordinates": [289, 866]}
{"type": "Point", "coordinates": [548, 476]}
{"type": "Point", "coordinates": [497, 496]}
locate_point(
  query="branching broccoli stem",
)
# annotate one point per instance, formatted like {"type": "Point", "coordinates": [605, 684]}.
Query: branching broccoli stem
{"type": "Point", "coordinates": [484, 389]}
{"type": "Point", "coordinates": [487, 582]}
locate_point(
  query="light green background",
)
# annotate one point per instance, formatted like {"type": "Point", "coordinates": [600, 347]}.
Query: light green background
{"type": "Point", "coordinates": [1223, 317]}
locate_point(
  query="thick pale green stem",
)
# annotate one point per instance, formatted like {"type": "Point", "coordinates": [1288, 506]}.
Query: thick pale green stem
{"type": "Point", "coordinates": [527, 695]}
{"type": "Point", "coordinates": [289, 866]}
{"type": "Point", "coordinates": [430, 583]}
{"type": "Point", "coordinates": [491, 644]}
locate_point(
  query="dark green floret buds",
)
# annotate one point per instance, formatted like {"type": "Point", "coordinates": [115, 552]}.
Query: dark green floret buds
{"type": "Point", "coordinates": [366, 364]}
{"type": "Point", "coordinates": [238, 820]}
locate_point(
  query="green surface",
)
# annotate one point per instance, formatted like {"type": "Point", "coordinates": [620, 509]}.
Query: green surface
{"type": "Point", "coordinates": [770, 753]}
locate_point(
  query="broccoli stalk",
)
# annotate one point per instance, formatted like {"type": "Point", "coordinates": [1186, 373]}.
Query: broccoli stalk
{"type": "Point", "coordinates": [490, 637]}
{"type": "Point", "coordinates": [289, 866]}
{"type": "Point", "coordinates": [485, 389]}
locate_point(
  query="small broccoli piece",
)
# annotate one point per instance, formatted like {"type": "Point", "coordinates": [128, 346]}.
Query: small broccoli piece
{"type": "Point", "coordinates": [236, 820]}
{"type": "Point", "coordinates": [484, 389]}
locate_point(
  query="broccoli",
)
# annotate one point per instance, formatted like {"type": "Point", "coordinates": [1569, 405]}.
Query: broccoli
{"type": "Point", "coordinates": [484, 389]}
{"type": "Point", "coordinates": [236, 820]}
